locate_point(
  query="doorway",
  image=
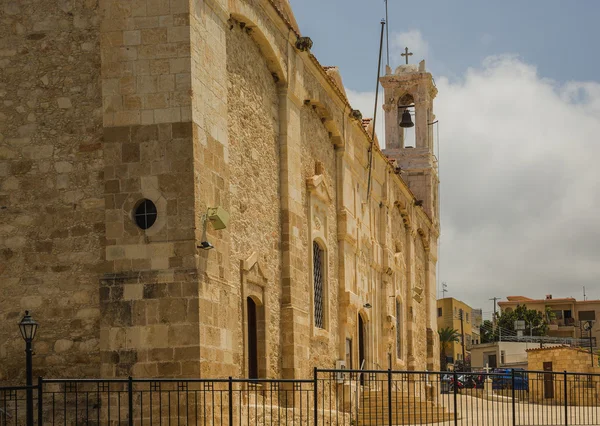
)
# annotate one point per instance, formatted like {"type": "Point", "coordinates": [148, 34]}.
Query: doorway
{"type": "Point", "coordinates": [492, 361]}
{"type": "Point", "coordinates": [362, 352]}
{"type": "Point", "coordinates": [252, 339]}
{"type": "Point", "coordinates": [548, 381]}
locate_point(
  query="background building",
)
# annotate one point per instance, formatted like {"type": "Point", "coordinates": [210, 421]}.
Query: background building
{"type": "Point", "coordinates": [450, 313]}
{"type": "Point", "coordinates": [502, 354]}
{"type": "Point", "coordinates": [124, 122]}
{"type": "Point", "coordinates": [477, 321]}
{"type": "Point", "coordinates": [550, 388]}
{"type": "Point", "coordinates": [570, 315]}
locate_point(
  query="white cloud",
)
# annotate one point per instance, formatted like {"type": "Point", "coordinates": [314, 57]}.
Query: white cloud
{"type": "Point", "coordinates": [519, 183]}
{"type": "Point", "coordinates": [415, 42]}
{"type": "Point", "coordinates": [520, 186]}
{"type": "Point", "coordinates": [365, 101]}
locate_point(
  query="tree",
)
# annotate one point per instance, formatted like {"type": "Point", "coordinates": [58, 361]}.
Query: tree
{"type": "Point", "coordinates": [536, 323]}
{"type": "Point", "coordinates": [448, 335]}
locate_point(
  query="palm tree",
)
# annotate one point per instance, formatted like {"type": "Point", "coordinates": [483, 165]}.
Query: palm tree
{"type": "Point", "coordinates": [448, 335]}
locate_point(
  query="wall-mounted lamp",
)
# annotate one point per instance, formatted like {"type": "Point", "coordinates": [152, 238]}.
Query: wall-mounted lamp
{"type": "Point", "coordinates": [219, 218]}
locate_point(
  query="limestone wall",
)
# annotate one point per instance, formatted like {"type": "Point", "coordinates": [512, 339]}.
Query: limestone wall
{"type": "Point", "coordinates": [253, 122]}
{"type": "Point", "coordinates": [194, 105]}
{"type": "Point", "coordinates": [51, 184]}
{"type": "Point", "coordinates": [318, 158]}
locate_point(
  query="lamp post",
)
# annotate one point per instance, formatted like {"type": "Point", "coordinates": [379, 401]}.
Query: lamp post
{"type": "Point", "coordinates": [28, 327]}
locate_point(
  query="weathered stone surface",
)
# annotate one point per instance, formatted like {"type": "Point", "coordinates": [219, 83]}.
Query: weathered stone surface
{"type": "Point", "coordinates": [178, 103]}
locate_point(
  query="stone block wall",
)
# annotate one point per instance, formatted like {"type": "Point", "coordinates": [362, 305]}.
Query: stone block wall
{"type": "Point", "coordinates": [149, 324]}
{"type": "Point", "coordinates": [255, 228]}
{"type": "Point", "coordinates": [545, 388]}
{"type": "Point", "coordinates": [149, 289]}
{"type": "Point", "coordinates": [192, 105]}
{"type": "Point", "coordinates": [146, 73]}
{"type": "Point", "coordinates": [51, 185]}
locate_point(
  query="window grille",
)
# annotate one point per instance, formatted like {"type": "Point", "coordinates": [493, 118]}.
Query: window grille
{"type": "Point", "coordinates": [318, 282]}
{"type": "Point", "coordinates": [398, 329]}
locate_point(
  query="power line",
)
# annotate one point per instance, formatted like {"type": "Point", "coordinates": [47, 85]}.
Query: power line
{"type": "Point", "coordinates": [495, 299]}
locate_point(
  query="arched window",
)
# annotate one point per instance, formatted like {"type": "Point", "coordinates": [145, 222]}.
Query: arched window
{"type": "Point", "coordinates": [318, 278]}
{"type": "Point", "coordinates": [398, 329]}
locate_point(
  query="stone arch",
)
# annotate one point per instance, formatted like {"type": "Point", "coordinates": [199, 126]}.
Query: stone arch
{"type": "Point", "coordinates": [246, 17]}
{"type": "Point", "coordinates": [406, 99]}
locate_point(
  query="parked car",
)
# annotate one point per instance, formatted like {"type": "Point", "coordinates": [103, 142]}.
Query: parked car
{"type": "Point", "coordinates": [502, 379]}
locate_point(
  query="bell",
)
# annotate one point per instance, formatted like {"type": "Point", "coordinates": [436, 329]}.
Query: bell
{"type": "Point", "coordinates": [406, 120]}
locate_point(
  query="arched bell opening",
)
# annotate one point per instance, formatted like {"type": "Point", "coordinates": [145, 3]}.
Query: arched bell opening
{"type": "Point", "coordinates": [406, 121]}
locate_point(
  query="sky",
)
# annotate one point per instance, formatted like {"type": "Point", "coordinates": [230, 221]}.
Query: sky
{"type": "Point", "coordinates": [519, 123]}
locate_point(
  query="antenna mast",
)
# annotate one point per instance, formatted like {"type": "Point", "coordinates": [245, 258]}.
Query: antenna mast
{"type": "Point", "coordinates": [372, 147]}
{"type": "Point", "coordinates": [387, 33]}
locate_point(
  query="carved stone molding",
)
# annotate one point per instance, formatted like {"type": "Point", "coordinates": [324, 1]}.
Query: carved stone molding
{"type": "Point", "coordinates": [253, 272]}
{"type": "Point", "coordinates": [317, 186]}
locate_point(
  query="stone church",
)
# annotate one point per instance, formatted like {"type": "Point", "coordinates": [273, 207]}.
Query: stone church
{"type": "Point", "coordinates": [186, 191]}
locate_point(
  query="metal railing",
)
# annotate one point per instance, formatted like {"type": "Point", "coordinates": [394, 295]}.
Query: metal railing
{"type": "Point", "coordinates": [583, 342]}
{"type": "Point", "coordinates": [331, 397]}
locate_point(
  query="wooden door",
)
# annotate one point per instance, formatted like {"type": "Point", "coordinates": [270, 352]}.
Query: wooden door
{"type": "Point", "coordinates": [252, 340]}
{"type": "Point", "coordinates": [548, 381]}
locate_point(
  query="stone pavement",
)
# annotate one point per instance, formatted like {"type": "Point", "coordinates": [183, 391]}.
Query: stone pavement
{"type": "Point", "coordinates": [479, 412]}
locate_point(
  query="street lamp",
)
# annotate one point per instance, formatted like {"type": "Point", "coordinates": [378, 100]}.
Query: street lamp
{"type": "Point", "coordinates": [28, 327]}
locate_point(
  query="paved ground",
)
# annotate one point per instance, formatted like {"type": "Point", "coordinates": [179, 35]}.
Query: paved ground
{"type": "Point", "coordinates": [499, 412]}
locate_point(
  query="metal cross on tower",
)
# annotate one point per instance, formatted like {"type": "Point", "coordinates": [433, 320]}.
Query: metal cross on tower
{"type": "Point", "coordinates": [406, 54]}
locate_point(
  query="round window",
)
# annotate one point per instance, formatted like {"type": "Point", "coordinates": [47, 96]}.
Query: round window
{"type": "Point", "coordinates": [145, 214]}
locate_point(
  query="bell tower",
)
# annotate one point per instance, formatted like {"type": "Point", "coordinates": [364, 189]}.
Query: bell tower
{"type": "Point", "coordinates": [409, 91]}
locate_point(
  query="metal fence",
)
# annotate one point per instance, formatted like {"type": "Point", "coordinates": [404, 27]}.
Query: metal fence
{"type": "Point", "coordinates": [330, 397]}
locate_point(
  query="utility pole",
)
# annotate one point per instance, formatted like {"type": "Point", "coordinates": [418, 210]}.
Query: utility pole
{"type": "Point", "coordinates": [494, 317]}
{"type": "Point", "coordinates": [444, 289]}
{"type": "Point", "coordinates": [587, 326]}
{"type": "Point", "coordinates": [495, 309]}
{"type": "Point", "coordinates": [462, 333]}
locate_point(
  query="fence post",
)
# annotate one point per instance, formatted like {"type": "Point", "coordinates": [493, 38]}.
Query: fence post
{"type": "Point", "coordinates": [230, 405]}
{"type": "Point", "coordinates": [514, 405]}
{"type": "Point", "coordinates": [566, 402]}
{"type": "Point", "coordinates": [40, 402]}
{"type": "Point", "coordinates": [389, 392]}
{"type": "Point", "coordinates": [130, 399]}
{"type": "Point", "coordinates": [455, 381]}
{"type": "Point", "coordinates": [315, 396]}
